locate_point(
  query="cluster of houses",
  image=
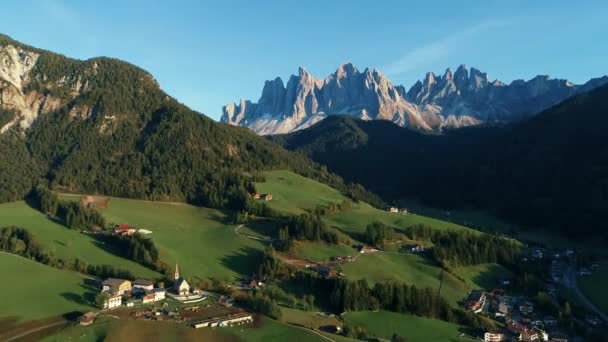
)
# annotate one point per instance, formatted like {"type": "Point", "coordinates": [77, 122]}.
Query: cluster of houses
{"type": "Point", "coordinates": [263, 197]}
{"type": "Point", "coordinates": [140, 291]}
{"type": "Point", "coordinates": [518, 313]}
{"type": "Point", "coordinates": [397, 210]}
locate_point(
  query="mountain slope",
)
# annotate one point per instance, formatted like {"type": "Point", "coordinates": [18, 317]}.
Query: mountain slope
{"type": "Point", "coordinates": [105, 126]}
{"type": "Point", "coordinates": [549, 171]}
{"type": "Point", "coordinates": [463, 98]}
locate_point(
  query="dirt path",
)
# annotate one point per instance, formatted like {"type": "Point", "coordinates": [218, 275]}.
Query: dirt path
{"type": "Point", "coordinates": [34, 330]}
{"type": "Point", "coordinates": [264, 239]}
{"type": "Point", "coordinates": [313, 331]}
{"type": "Point", "coordinates": [134, 199]}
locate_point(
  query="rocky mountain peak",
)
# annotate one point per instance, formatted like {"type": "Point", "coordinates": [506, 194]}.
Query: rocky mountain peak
{"type": "Point", "coordinates": [451, 100]}
{"type": "Point", "coordinates": [447, 76]}
{"type": "Point", "coordinates": [429, 80]}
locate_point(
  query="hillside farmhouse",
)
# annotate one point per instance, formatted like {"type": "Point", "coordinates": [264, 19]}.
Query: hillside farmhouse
{"type": "Point", "coordinates": [118, 286]}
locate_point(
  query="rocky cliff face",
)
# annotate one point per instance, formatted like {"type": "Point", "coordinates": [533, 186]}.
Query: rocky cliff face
{"type": "Point", "coordinates": [35, 82]}
{"type": "Point", "coordinates": [21, 104]}
{"type": "Point", "coordinates": [306, 100]}
{"type": "Point", "coordinates": [456, 99]}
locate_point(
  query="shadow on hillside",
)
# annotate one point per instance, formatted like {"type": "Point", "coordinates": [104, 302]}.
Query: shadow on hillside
{"type": "Point", "coordinates": [490, 278]}
{"type": "Point", "coordinates": [32, 204]}
{"type": "Point", "coordinates": [360, 237]}
{"type": "Point", "coordinates": [245, 261]}
{"type": "Point", "coordinates": [74, 297]}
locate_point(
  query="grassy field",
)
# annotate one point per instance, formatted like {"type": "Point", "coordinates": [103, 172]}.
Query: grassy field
{"type": "Point", "coordinates": [484, 276]}
{"type": "Point", "coordinates": [269, 330]}
{"type": "Point", "coordinates": [307, 319]}
{"type": "Point", "coordinates": [64, 242]}
{"type": "Point", "coordinates": [409, 268]}
{"type": "Point", "coordinates": [593, 286]}
{"type": "Point", "coordinates": [355, 220]}
{"type": "Point", "coordinates": [199, 239]}
{"type": "Point", "coordinates": [321, 251]}
{"type": "Point", "coordinates": [107, 329]}
{"type": "Point", "coordinates": [295, 194]}
{"type": "Point", "coordinates": [35, 291]}
{"type": "Point", "coordinates": [384, 324]}
{"type": "Point", "coordinates": [261, 228]}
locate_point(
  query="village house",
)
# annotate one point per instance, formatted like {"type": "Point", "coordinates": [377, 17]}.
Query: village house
{"type": "Point", "coordinates": [113, 301]}
{"type": "Point", "coordinates": [505, 307]}
{"type": "Point", "coordinates": [266, 197]}
{"type": "Point", "coordinates": [393, 210]}
{"type": "Point", "coordinates": [159, 294]}
{"type": "Point", "coordinates": [180, 286]}
{"type": "Point", "coordinates": [87, 318]}
{"type": "Point", "coordinates": [417, 249]}
{"type": "Point", "coordinates": [529, 335]}
{"type": "Point", "coordinates": [149, 297]}
{"type": "Point", "coordinates": [367, 249]}
{"type": "Point", "coordinates": [475, 301]}
{"type": "Point", "coordinates": [124, 229]}
{"type": "Point", "coordinates": [494, 336]}
{"type": "Point", "coordinates": [255, 196]}
{"type": "Point", "coordinates": [118, 286]}
{"type": "Point", "coordinates": [143, 285]}
{"type": "Point", "coordinates": [403, 211]}
{"type": "Point", "coordinates": [526, 308]}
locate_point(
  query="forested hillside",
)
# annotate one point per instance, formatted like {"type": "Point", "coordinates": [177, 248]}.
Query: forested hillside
{"type": "Point", "coordinates": [550, 171]}
{"type": "Point", "coordinates": [105, 126]}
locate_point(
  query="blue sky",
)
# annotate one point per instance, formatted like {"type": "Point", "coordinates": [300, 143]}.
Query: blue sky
{"type": "Point", "coordinates": [208, 53]}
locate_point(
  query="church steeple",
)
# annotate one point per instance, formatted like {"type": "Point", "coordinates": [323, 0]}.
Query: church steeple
{"type": "Point", "coordinates": [176, 274]}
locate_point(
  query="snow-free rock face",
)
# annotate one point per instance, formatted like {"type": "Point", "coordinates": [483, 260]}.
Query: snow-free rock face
{"type": "Point", "coordinates": [22, 104]}
{"type": "Point", "coordinates": [452, 100]}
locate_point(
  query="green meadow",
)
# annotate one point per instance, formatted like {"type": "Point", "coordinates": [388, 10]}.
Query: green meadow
{"type": "Point", "coordinates": [321, 251]}
{"type": "Point", "coordinates": [269, 330]}
{"type": "Point", "coordinates": [484, 276]}
{"type": "Point", "coordinates": [65, 242]}
{"type": "Point", "coordinates": [294, 194]}
{"type": "Point", "coordinates": [200, 240]}
{"type": "Point", "coordinates": [409, 268]}
{"type": "Point", "coordinates": [113, 330]}
{"type": "Point", "coordinates": [34, 291]}
{"type": "Point", "coordinates": [384, 324]}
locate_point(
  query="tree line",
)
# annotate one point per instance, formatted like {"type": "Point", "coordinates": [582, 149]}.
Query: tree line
{"type": "Point", "coordinates": [376, 233]}
{"type": "Point", "coordinates": [356, 295]}
{"type": "Point", "coordinates": [73, 214]}
{"type": "Point", "coordinates": [137, 248]}
{"type": "Point", "coordinates": [17, 240]}
{"type": "Point", "coordinates": [453, 248]}
{"type": "Point", "coordinates": [305, 227]}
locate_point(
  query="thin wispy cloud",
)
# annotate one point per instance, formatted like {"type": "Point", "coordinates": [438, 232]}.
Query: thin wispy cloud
{"type": "Point", "coordinates": [423, 56]}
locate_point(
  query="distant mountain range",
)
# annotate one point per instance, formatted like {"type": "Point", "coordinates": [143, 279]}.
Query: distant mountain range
{"type": "Point", "coordinates": [454, 100]}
